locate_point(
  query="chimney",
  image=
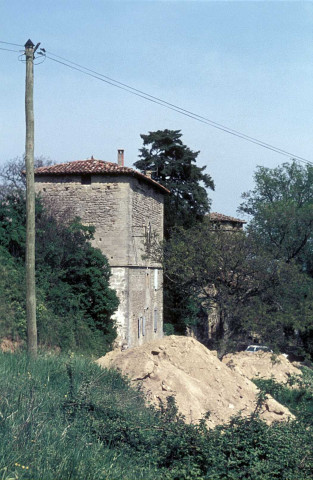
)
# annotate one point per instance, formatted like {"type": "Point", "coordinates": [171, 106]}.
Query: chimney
{"type": "Point", "coordinates": [120, 158]}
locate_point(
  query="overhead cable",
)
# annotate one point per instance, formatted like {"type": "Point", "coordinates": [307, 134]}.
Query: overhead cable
{"type": "Point", "coordinates": [9, 43]}
{"type": "Point", "coordinates": [159, 101]}
{"type": "Point", "coordinates": [9, 50]}
{"type": "Point", "coordinates": [207, 120]}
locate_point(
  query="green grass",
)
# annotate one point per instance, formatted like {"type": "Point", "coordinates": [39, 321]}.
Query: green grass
{"type": "Point", "coordinates": [64, 418]}
{"type": "Point", "coordinates": [44, 431]}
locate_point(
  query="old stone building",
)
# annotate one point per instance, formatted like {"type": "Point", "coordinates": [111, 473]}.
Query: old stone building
{"type": "Point", "coordinates": [210, 325]}
{"type": "Point", "coordinates": [126, 209]}
{"type": "Point", "coordinates": [219, 221]}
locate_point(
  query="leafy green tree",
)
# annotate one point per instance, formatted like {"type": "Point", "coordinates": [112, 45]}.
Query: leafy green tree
{"type": "Point", "coordinates": [68, 262]}
{"type": "Point", "coordinates": [12, 296]}
{"type": "Point", "coordinates": [12, 227]}
{"type": "Point", "coordinates": [173, 165]}
{"type": "Point", "coordinates": [14, 182]}
{"type": "Point", "coordinates": [281, 206]}
{"type": "Point", "coordinates": [252, 290]}
{"type": "Point", "coordinates": [74, 296]}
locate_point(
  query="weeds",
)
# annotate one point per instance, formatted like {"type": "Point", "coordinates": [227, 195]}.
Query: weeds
{"type": "Point", "coordinates": [64, 418]}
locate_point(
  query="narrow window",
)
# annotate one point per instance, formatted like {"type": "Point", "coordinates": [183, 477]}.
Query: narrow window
{"type": "Point", "coordinates": [155, 319]}
{"type": "Point", "coordinates": [156, 278]}
{"type": "Point", "coordinates": [86, 180]}
{"type": "Point", "coordinates": [138, 327]}
{"type": "Point", "coordinates": [148, 231]}
{"type": "Point", "coordinates": [143, 329]}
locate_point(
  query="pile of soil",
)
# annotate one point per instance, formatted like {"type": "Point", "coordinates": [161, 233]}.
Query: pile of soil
{"type": "Point", "coordinates": [261, 365]}
{"type": "Point", "coordinates": [184, 368]}
{"type": "Point", "coordinates": [8, 345]}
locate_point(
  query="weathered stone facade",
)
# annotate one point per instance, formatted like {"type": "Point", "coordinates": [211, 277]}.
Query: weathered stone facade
{"type": "Point", "coordinates": [219, 221]}
{"type": "Point", "coordinates": [212, 324]}
{"type": "Point", "coordinates": [126, 209]}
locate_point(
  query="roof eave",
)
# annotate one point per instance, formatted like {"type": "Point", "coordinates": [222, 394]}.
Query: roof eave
{"type": "Point", "coordinates": [133, 173]}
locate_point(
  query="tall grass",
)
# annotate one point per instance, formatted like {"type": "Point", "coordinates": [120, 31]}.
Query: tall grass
{"type": "Point", "coordinates": [44, 433]}
{"type": "Point", "coordinates": [64, 418]}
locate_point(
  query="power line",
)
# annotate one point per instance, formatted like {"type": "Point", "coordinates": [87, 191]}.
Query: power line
{"type": "Point", "coordinates": [161, 102]}
{"type": "Point", "coordinates": [171, 106]}
{"type": "Point", "coordinates": [211, 122]}
{"type": "Point", "coordinates": [9, 50]}
{"type": "Point", "coordinates": [9, 43]}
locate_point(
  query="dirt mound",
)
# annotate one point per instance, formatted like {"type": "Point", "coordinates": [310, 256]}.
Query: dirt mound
{"type": "Point", "coordinates": [184, 368]}
{"type": "Point", "coordinates": [261, 365]}
{"type": "Point", "coordinates": [8, 345]}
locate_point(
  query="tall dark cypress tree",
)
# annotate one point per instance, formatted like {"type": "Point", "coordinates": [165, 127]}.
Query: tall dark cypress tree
{"type": "Point", "coordinates": [173, 165]}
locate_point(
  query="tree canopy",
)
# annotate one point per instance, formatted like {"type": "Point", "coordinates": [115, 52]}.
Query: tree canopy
{"type": "Point", "coordinates": [281, 206]}
{"type": "Point", "coordinates": [173, 165]}
{"type": "Point", "coordinates": [254, 292]}
{"type": "Point", "coordinates": [75, 301]}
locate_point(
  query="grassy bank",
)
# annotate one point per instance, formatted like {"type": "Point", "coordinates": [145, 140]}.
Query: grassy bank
{"type": "Point", "coordinates": [47, 410]}
{"type": "Point", "coordinates": [65, 418]}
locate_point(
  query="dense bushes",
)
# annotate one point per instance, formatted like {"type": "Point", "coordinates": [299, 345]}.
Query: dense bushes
{"type": "Point", "coordinates": [299, 400]}
{"type": "Point", "coordinates": [65, 418]}
{"type": "Point", "coordinates": [12, 295]}
{"type": "Point", "coordinates": [74, 301]}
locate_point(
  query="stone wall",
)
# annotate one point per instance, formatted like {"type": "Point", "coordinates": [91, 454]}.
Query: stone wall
{"type": "Point", "coordinates": [127, 213]}
{"type": "Point", "coordinates": [104, 204]}
{"type": "Point", "coordinates": [145, 275]}
{"type": "Point", "coordinates": [119, 281]}
{"type": "Point", "coordinates": [147, 221]}
{"type": "Point", "coordinates": [145, 304]}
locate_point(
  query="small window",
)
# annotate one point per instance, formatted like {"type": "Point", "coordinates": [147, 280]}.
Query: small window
{"type": "Point", "coordinates": [143, 326]}
{"type": "Point", "coordinates": [148, 233]}
{"type": "Point", "coordinates": [86, 180]}
{"type": "Point", "coordinates": [149, 230]}
{"type": "Point", "coordinates": [156, 278]}
{"type": "Point", "coordinates": [155, 320]}
{"type": "Point", "coordinates": [138, 327]}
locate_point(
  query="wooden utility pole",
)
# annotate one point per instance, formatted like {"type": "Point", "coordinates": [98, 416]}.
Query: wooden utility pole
{"type": "Point", "coordinates": [30, 203]}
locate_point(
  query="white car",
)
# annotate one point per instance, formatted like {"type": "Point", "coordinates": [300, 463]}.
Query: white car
{"type": "Point", "coordinates": [258, 348]}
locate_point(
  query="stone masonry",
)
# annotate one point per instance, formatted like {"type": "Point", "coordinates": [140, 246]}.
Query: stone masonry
{"type": "Point", "coordinates": [126, 209]}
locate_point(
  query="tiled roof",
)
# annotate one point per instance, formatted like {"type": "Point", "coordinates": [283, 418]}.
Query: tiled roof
{"type": "Point", "coordinates": [219, 217]}
{"type": "Point", "coordinates": [93, 166]}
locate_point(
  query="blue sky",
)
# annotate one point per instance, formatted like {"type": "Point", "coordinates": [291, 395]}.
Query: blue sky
{"type": "Point", "coordinates": [247, 65]}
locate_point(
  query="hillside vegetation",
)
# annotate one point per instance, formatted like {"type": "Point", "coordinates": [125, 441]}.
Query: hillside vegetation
{"type": "Point", "coordinates": [65, 418]}
{"type": "Point", "coordinates": [74, 301]}
{"type": "Point", "coordinates": [255, 284]}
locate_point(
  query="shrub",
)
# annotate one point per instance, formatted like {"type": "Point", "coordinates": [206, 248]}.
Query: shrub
{"type": "Point", "coordinates": [65, 418]}
{"type": "Point", "coordinates": [74, 301]}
